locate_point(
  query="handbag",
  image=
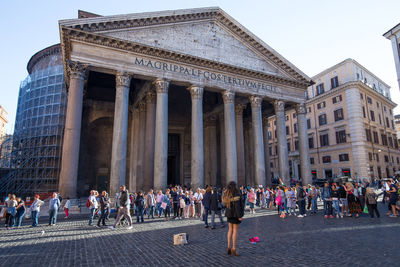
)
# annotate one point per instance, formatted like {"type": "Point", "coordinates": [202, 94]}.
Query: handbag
{"type": "Point", "coordinates": [278, 199]}
{"type": "Point", "coordinates": [182, 203]}
{"type": "Point", "coordinates": [365, 209]}
{"type": "Point", "coordinates": [164, 205]}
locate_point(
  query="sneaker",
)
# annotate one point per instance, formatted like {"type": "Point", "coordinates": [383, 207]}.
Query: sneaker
{"type": "Point", "coordinates": [111, 227]}
{"type": "Point", "coordinates": [212, 227]}
{"type": "Point", "coordinates": [130, 227]}
{"type": "Point", "coordinates": [331, 216]}
{"type": "Point", "coordinates": [305, 215]}
{"type": "Point", "coordinates": [300, 216]}
{"type": "Point", "coordinates": [326, 216]}
{"type": "Point", "coordinates": [392, 216]}
{"type": "Point", "coordinates": [205, 226]}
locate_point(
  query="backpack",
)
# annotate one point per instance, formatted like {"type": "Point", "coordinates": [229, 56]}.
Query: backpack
{"type": "Point", "coordinates": [87, 203]}
{"type": "Point", "coordinates": [301, 193]}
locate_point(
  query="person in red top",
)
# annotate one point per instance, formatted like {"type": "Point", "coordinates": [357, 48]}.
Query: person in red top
{"type": "Point", "coordinates": [252, 200]}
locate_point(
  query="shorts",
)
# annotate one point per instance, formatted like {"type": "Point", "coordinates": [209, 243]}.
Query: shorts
{"type": "Point", "coordinates": [251, 205]}
{"type": "Point", "coordinates": [233, 220]}
{"type": "Point", "coordinates": [392, 200]}
{"type": "Point", "coordinates": [344, 202]}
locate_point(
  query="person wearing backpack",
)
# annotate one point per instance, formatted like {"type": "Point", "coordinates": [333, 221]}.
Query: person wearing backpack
{"type": "Point", "coordinates": [300, 196]}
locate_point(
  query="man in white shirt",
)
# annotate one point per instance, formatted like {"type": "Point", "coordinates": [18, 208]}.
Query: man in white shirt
{"type": "Point", "coordinates": [198, 197]}
{"type": "Point", "coordinates": [93, 205]}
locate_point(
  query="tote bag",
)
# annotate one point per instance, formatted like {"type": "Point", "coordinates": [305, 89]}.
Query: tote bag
{"type": "Point", "coordinates": [278, 199]}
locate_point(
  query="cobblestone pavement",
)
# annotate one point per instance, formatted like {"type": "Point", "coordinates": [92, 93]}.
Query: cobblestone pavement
{"type": "Point", "coordinates": [309, 241]}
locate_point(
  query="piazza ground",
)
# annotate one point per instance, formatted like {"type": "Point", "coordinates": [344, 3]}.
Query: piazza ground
{"type": "Point", "coordinates": [290, 242]}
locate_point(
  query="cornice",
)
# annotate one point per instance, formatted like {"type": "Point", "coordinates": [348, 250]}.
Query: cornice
{"type": "Point", "coordinates": [69, 34]}
{"type": "Point", "coordinates": [92, 25]}
{"type": "Point", "coordinates": [48, 51]}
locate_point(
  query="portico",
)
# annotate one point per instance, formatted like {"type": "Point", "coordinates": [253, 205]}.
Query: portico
{"type": "Point", "coordinates": [186, 86]}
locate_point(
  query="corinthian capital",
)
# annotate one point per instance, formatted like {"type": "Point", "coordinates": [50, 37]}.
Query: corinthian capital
{"type": "Point", "coordinates": [301, 108]}
{"type": "Point", "coordinates": [239, 109]}
{"type": "Point", "coordinates": [123, 79]}
{"type": "Point", "coordinates": [255, 101]}
{"type": "Point", "coordinates": [196, 91]}
{"type": "Point", "coordinates": [150, 97]}
{"type": "Point", "coordinates": [279, 105]}
{"type": "Point", "coordinates": [228, 96]}
{"type": "Point", "coordinates": [76, 69]}
{"type": "Point", "coordinates": [161, 85]}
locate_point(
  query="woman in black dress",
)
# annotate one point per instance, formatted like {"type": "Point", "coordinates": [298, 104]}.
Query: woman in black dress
{"type": "Point", "coordinates": [234, 203]}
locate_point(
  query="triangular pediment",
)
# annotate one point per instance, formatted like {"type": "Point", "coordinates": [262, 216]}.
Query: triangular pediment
{"type": "Point", "coordinates": [206, 33]}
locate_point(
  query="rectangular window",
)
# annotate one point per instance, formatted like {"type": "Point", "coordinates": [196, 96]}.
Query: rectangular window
{"type": "Point", "coordinates": [343, 157]}
{"type": "Point", "coordinates": [322, 119]}
{"type": "Point", "coordinates": [296, 145]}
{"type": "Point", "coordinates": [308, 124]}
{"type": "Point", "coordinates": [324, 139]}
{"type": "Point", "coordinates": [294, 115]}
{"type": "Point", "coordinates": [377, 157]}
{"type": "Point", "coordinates": [269, 135]}
{"type": "Point", "coordinates": [326, 159]}
{"type": "Point", "coordinates": [363, 108]}
{"type": "Point", "coordinates": [369, 100]}
{"type": "Point", "coordinates": [338, 114]}
{"type": "Point", "coordinates": [361, 96]}
{"type": "Point", "coordinates": [377, 104]}
{"type": "Point", "coordinates": [270, 150]}
{"type": "Point", "coordinates": [341, 137]}
{"type": "Point", "coordinates": [396, 144]}
{"type": "Point", "coordinates": [370, 156]}
{"type": "Point", "coordinates": [386, 158]}
{"type": "Point", "coordinates": [334, 82]}
{"type": "Point", "coordinates": [321, 105]}
{"type": "Point", "coordinates": [337, 99]}
{"type": "Point", "coordinates": [392, 125]}
{"type": "Point", "coordinates": [309, 110]}
{"type": "Point", "coordinates": [398, 160]}
{"type": "Point", "coordinates": [368, 135]}
{"type": "Point", "coordinates": [295, 127]}
{"type": "Point", "coordinates": [288, 146]}
{"type": "Point", "coordinates": [380, 119]}
{"type": "Point", "coordinates": [387, 122]}
{"type": "Point", "coordinates": [390, 141]}
{"type": "Point", "coordinates": [372, 115]}
{"type": "Point", "coordinates": [384, 108]}
{"type": "Point", "coordinates": [312, 161]}
{"type": "Point", "coordinates": [320, 89]}
{"type": "Point", "coordinates": [287, 130]}
{"type": "Point", "coordinates": [384, 139]}
{"type": "Point", "coordinates": [310, 142]}
{"type": "Point", "coordinates": [376, 139]}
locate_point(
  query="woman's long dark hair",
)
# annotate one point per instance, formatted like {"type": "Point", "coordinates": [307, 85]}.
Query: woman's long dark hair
{"type": "Point", "coordinates": [230, 191]}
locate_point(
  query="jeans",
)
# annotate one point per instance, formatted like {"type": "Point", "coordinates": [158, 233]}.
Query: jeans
{"type": "Point", "coordinates": [150, 212]}
{"type": "Point", "coordinates": [139, 214]}
{"type": "Point", "coordinates": [285, 206]}
{"type": "Point", "coordinates": [159, 209]}
{"type": "Point", "coordinates": [314, 205]}
{"type": "Point", "coordinates": [167, 211]}
{"type": "Point", "coordinates": [176, 210]}
{"type": "Point", "coordinates": [53, 216]}
{"type": "Point", "coordinates": [302, 206]}
{"type": "Point", "coordinates": [292, 210]}
{"type": "Point", "coordinates": [35, 216]}
{"type": "Point", "coordinates": [91, 216]}
{"type": "Point", "coordinates": [327, 207]}
{"type": "Point", "coordinates": [205, 219]}
{"type": "Point", "coordinates": [213, 217]}
{"type": "Point", "coordinates": [19, 217]}
{"type": "Point", "coordinates": [10, 220]}
{"type": "Point", "coordinates": [103, 217]}
{"type": "Point", "coordinates": [336, 206]}
{"type": "Point", "coordinates": [268, 202]}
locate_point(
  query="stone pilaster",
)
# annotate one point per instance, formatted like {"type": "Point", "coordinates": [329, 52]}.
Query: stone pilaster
{"type": "Point", "coordinates": [161, 135]}
{"type": "Point", "coordinates": [230, 136]}
{"type": "Point", "coordinates": [258, 139]}
{"type": "Point", "coordinates": [120, 132]}
{"type": "Point", "coordinates": [241, 163]}
{"type": "Point", "coordinates": [212, 131]}
{"type": "Point", "coordinates": [266, 152]}
{"type": "Point", "coordinates": [134, 151]}
{"type": "Point", "coordinates": [222, 151]}
{"type": "Point", "coordinates": [197, 162]}
{"type": "Point", "coordinates": [141, 146]}
{"type": "Point", "coordinates": [305, 166]}
{"type": "Point", "coordinates": [72, 133]}
{"type": "Point", "coordinates": [283, 160]}
{"type": "Point", "coordinates": [149, 139]}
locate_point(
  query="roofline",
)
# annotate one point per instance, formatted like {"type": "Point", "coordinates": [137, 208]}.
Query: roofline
{"type": "Point", "coordinates": [390, 32]}
{"type": "Point", "coordinates": [42, 53]}
{"type": "Point", "coordinates": [349, 60]}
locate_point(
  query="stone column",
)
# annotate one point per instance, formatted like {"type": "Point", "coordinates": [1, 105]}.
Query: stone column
{"type": "Point", "coordinates": [149, 139]}
{"type": "Point", "coordinates": [305, 166]}
{"type": "Point", "coordinates": [197, 163]}
{"type": "Point", "coordinates": [283, 160]}
{"type": "Point", "coordinates": [222, 149]}
{"type": "Point", "coordinates": [161, 142]}
{"type": "Point", "coordinates": [72, 133]}
{"type": "Point", "coordinates": [258, 139]}
{"type": "Point", "coordinates": [212, 131]}
{"type": "Point", "coordinates": [120, 132]}
{"type": "Point", "coordinates": [241, 163]}
{"type": "Point", "coordinates": [141, 146]}
{"type": "Point", "coordinates": [266, 152]}
{"type": "Point", "coordinates": [230, 136]}
{"type": "Point", "coordinates": [134, 151]}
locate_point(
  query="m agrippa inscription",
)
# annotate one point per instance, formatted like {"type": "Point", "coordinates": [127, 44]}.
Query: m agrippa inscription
{"type": "Point", "coordinates": [208, 75]}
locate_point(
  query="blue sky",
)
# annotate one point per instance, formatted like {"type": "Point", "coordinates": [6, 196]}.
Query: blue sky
{"type": "Point", "coordinates": [312, 34]}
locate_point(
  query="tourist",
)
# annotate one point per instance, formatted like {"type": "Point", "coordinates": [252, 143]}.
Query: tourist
{"type": "Point", "coordinates": [187, 205]}
{"type": "Point", "coordinates": [263, 198]}
{"type": "Point", "coordinates": [343, 200]}
{"type": "Point", "coordinates": [175, 202]}
{"type": "Point", "coordinates": [280, 196]}
{"type": "Point", "coordinates": [326, 194]}
{"type": "Point", "coordinates": [309, 198]}
{"type": "Point", "coordinates": [252, 200]}
{"type": "Point", "coordinates": [216, 207]}
{"type": "Point", "coordinates": [167, 204]}
{"type": "Point", "coordinates": [104, 203]}
{"type": "Point", "coordinates": [354, 206]}
{"type": "Point", "coordinates": [206, 204]}
{"type": "Point", "coordinates": [198, 197]}
{"type": "Point", "coordinates": [159, 200]}
{"type": "Point", "coordinates": [54, 205]}
{"type": "Point", "coordinates": [312, 196]}
{"type": "Point", "coordinates": [150, 204]}
{"type": "Point", "coordinates": [67, 206]}
{"type": "Point", "coordinates": [124, 205]}
{"type": "Point", "coordinates": [191, 205]}
{"type": "Point", "coordinates": [335, 200]}
{"type": "Point", "coordinates": [268, 196]}
{"type": "Point", "coordinates": [139, 203]}
{"type": "Point", "coordinates": [20, 211]}
{"type": "Point", "coordinates": [35, 210]}
{"type": "Point", "coordinates": [93, 205]}
{"type": "Point", "coordinates": [11, 211]}
{"type": "Point", "coordinates": [291, 201]}
{"type": "Point", "coordinates": [234, 203]}
{"type": "Point", "coordinates": [300, 196]}
{"type": "Point", "coordinates": [371, 202]}
{"type": "Point", "coordinates": [181, 204]}
{"type": "Point", "coordinates": [393, 197]}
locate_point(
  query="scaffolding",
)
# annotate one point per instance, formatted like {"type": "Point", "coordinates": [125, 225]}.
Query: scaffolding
{"type": "Point", "coordinates": [35, 158]}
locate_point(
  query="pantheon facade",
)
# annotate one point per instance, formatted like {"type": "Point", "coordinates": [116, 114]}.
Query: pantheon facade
{"type": "Point", "coordinates": [174, 97]}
